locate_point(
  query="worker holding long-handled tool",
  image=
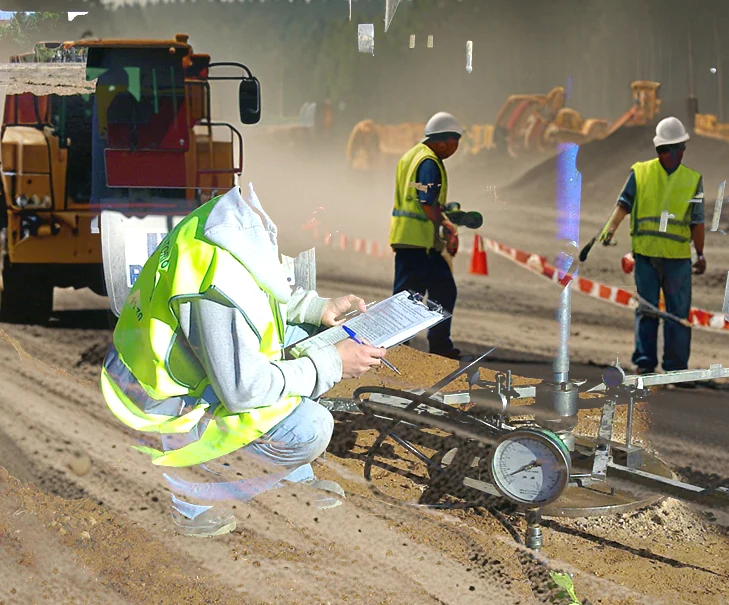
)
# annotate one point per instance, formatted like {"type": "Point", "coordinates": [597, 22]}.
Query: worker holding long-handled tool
{"type": "Point", "coordinates": [665, 201]}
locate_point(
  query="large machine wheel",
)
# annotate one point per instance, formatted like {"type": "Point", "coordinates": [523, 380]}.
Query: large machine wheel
{"type": "Point", "coordinates": [27, 295]}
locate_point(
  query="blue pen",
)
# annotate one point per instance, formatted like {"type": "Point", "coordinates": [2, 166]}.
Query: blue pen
{"type": "Point", "coordinates": [353, 336]}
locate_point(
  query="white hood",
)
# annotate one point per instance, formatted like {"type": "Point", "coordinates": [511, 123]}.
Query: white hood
{"type": "Point", "coordinates": [240, 226]}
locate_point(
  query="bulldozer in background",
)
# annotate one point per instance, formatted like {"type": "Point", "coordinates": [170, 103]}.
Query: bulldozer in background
{"type": "Point", "coordinates": [707, 125]}
{"type": "Point", "coordinates": [140, 142]}
{"type": "Point", "coordinates": [525, 124]}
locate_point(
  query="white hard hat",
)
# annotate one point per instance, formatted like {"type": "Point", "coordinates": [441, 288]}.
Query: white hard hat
{"type": "Point", "coordinates": [670, 131]}
{"type": "Point", "coordinates": [442, 123]}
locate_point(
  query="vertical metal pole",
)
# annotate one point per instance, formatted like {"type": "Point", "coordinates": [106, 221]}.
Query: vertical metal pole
{"type": "Point", "coordinates": [629, 427]}
{"type": "Point", "coordinates": [693, 104]}
{"type": "Point", "coordinates": [534, 529]}
{"type": "Point", "coordinates": [561, 365]}
{"type": "Point", "coordinates": [568, 194]}
{"type": "Point", "coordinates": [653, 55]}
{"type": "Point", "coordinates": [719, 82]}
{"type": "Point", "coordinates": [563, 392]}
{"type": "Point", "coordinates": [281, 90]}
{"type": "Point", "coordinates": [692, 91]}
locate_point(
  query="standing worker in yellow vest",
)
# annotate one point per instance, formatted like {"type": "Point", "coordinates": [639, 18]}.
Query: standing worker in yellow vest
{"type": "Point", "coordinates": [421, 190]}
{"type": "Point", "coordinates": [197, 358]}
{"type": "Point", "coordinates": [663, 186]}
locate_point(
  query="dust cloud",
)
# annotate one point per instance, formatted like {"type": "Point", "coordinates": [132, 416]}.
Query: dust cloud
{"type": "Point", "coordinates": [101, 509]}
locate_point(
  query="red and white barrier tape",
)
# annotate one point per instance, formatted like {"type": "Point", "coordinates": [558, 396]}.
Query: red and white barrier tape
{"type": "Point", "coordinates": [621, 297]}
{"type": "Point", "coordinates": [699, 318]}
{"type": "Point", "coordinates": [341, 241]}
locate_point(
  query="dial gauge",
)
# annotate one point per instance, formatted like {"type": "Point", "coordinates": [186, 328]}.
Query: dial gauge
{"type": "Point", "coordinates": [530, 466]}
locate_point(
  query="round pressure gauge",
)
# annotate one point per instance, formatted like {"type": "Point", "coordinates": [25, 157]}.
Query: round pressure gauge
{"type": "Point", "coordinates": [530, 467]}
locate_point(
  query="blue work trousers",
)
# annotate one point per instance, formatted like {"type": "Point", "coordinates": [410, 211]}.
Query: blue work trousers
{"type": "Point", "coordinates": [673, 276]}
{"type": "Point", "coordinates": [427, 272]}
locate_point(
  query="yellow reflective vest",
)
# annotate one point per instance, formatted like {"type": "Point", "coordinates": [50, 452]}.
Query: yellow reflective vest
{"type": "Point", "coordinates": [152, 381]}
{"type": "Point", "coordinates": [657, 191]}
{"type": "Point", "coordinates": [409, 225]}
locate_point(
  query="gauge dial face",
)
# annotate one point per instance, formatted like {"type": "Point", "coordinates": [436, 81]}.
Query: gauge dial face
{"type": "Point", "coordinates": [529, 468]}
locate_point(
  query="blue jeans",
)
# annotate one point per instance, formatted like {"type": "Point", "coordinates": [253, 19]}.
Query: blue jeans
{"type": "Point", "coordinates": [427, 272]}
{"type": "Point", "coordinates": [283, 454]}
{"type": "Point", "coordinates": [673, 276]}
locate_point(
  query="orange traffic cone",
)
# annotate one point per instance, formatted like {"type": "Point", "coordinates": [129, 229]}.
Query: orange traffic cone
{"type": "Point", "coordinates": [479, 263]}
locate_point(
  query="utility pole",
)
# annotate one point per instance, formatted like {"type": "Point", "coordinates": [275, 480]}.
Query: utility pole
{"type": "Point", "coordinates": [718, 74]}
{"type": "Point", "coordinates": [693, 102]}
{"type": "Point", "coordinates": [281, 90]}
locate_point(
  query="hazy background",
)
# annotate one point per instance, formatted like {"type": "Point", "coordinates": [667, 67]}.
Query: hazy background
{"type": "Point", "coordinates": [307, 51]}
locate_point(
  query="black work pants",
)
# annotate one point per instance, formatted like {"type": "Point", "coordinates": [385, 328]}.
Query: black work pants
{"type": "Point", "coordinates": [427, 272]}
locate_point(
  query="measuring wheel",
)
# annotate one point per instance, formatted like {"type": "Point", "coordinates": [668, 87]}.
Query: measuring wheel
{"type": "Point", "coordinates": [425, 450]}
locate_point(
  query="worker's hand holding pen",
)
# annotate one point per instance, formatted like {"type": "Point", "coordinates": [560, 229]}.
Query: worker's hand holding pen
{"type": "Point", "coordinates": [358, 357]}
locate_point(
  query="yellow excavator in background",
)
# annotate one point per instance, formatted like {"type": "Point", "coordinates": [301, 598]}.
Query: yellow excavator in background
{"type": "Point", "coordinates": [526, 123]}
{"type": "Point", "coordinates": [97, 125]}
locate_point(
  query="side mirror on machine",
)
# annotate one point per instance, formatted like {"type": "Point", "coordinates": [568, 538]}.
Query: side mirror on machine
{"type": "Point", "coordinates": [249, 100]}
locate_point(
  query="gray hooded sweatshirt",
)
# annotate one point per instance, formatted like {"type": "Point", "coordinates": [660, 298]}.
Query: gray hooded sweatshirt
{"type": "Point", "coordinates": [224, 343]}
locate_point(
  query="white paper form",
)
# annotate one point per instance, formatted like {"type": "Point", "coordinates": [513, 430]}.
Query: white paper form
{"type": "Point", "coordinates": [393, 320]}
{"type": "Point", "coordinates": [385, 324]}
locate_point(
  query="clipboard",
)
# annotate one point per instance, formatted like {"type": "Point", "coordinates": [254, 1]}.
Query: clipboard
{"type": "Point", "coordinates": [388, 323]}
{"type": "Point", "coordinates": [434, 308]}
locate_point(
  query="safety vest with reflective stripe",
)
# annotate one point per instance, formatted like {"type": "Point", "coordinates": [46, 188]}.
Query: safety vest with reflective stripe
{"type": "Point", "coordinates": [657, 191]}
{"type": "Point", "coordinates": [153, 382]}
{"type": "Point", "coordinates": [409, 224]}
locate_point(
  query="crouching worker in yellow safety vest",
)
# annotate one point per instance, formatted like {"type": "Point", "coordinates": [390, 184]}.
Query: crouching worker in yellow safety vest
{"type": "Point", "coordinates": [197, 362]}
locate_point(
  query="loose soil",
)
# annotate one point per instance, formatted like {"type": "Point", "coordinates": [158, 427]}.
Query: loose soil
{"type": "Point", "coordinates": [85, 520]}
{"type": "Point", "coordinates": [70, 462]}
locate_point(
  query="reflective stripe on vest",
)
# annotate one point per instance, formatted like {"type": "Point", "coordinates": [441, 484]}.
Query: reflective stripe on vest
{"type": "Point", "coordinates": [151, 376]}
{"type": "Point", "coordinates": [656, 192]}
{"type": "Point", "coordinates": [417, 217]}
{"type": "Point", "coordinates": [409, 224]}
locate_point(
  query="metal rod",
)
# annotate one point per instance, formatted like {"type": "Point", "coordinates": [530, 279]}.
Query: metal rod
{"type": "Point", "coordinates": [561, 365]}
{"type": "Point", "coordinates": [715, 497]}
{"type": "Point", "coordinates": [629, 427]}
{"type": "Point", "coordinates": [714, 371]}
{"type": "Point", "coordinates": [690, 65]}
{"type": "Point", "coordinates": [534, 529]}
{"type": "Point", "coordinates": [720, 83]}
{"type": "Point", "coordinates": [453, 375]}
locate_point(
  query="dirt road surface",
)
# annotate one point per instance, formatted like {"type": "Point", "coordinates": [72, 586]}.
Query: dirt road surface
{"type": "Point", "coordinates": [85, 519]}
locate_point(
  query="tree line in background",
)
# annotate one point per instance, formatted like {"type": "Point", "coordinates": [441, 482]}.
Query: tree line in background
{"type": "Point", "coordinates": [21, 32]}
{"type": "Point", "coordinates": [308, 51]}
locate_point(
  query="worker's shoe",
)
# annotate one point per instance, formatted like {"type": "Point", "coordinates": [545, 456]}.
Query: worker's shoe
{"type": "Point", "coordinates": [643, 371]}
{"type": "Point", "coordinates": [331, 493]}
{"type": "Point", "coordinates": [685, 385]}
{"type": "Point", "coordinates": [201, 521]}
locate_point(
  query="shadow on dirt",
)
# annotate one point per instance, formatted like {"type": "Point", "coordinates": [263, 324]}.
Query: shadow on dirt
{"type": "Point", "coordinates": [638, 552]}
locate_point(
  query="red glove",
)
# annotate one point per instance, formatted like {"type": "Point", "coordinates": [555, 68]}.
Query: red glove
{"type": "Point", "coordinates": [452, 244]}
{"type": "Point", "coordinates": [451, 237]}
